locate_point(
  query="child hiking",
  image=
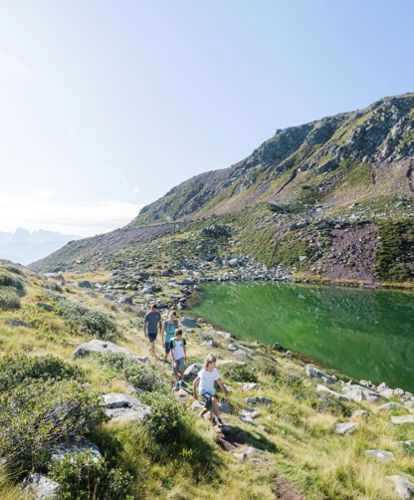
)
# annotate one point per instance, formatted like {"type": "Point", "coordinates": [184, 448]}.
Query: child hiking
{"type": "Point", "coordinates": [205, 383]}
{"type": "Point", "coordinates": [179, 356]}
{"type": "Point", "coordinates": [168, 332]}
{"type": "Point", "coordinates": [152, 324]}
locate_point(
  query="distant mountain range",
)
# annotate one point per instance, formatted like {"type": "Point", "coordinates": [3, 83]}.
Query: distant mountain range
{"type": "Point", "coordinates": [331, 198]}
{"type": "Point", "coordinates": [24, 246]}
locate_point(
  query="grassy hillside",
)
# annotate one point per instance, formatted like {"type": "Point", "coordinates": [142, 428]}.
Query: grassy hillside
{"type": "Point", "coordinates": [50, 399]}
{"type": "Point", "coordinates": [314, 199]}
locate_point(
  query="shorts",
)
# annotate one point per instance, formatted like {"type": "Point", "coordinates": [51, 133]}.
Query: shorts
{"type": "Point", "coordinates": [152, 336]}
{"type": "Point", "coordinates": [207, 400]}
{"type": "Point", "coordinates": [167, 347]}
{"type": "Point", "coordinates": [178, 365]}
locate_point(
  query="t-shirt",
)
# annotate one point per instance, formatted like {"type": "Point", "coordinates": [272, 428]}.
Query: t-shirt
{"type": "Point", "coordinates": [170, 330]}
{"type": "Point", "coordinates": [207, 380]}
{"type": "Point", "coordinates": [152, 318]}
{"type": "Point", "coordinates": [178, 348]}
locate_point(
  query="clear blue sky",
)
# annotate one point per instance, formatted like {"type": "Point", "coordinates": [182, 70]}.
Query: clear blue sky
{"type": "Point", "coordinates": [105, 105]}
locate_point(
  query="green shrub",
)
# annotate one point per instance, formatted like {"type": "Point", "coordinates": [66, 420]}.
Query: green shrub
{"type": "Point", "coordinates": [38, 415]}
{"type": "Point", "coordinates": [267, 367]}
{"type": "Point", "coordinates": [239, 373]}
{"type": "Point", "coordinates": [167, 422]}
{"type": "Point", "coordinates": [328, 404]}
{"type": "Point", "coordinates": [140, 375]}
{"type": "Point", "coordinates": [82, 476]}
{"type": "Point", "coordinates": [87, 321]}
{"type": "Point", "coordinates": [16, 368]}
{"type": "Point", "coordinates": [8, 279]}
{"type": "Point", "coordinates": [9, 299]}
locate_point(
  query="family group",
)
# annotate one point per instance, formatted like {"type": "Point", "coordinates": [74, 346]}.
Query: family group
{"type": "Point", "coordinates": [174, 345]}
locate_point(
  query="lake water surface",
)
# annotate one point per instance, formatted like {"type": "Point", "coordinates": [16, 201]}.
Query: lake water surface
{"type": "Point", "coordinates": [362, 333]}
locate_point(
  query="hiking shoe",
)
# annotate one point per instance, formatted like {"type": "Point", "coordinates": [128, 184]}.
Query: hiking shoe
{"type": "Point", "coordinates": [183, 384]}
{"type": "Point", "coordinates": [176, 386]}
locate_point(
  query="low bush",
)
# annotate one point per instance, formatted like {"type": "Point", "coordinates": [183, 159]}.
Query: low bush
{"type": "Point", "coordinates": [9, 299]}
{"type": "Point", "coordinates": [16, 368]}
{"type": "Point", "coordinates": [82, 476]}
{"type": "Point", "coordinates": [87, 321]}
{"type": "Point", "coordinates": [140, 375]}
{"type": "Point", "coordinates": [239, 373]}
{"type": "Point", "coordinates": [268, 367]}
{"type": "Point", "coordinates": [8, 279]}
{"type": "Point", "coordinates": [38, 415]}
{"type": "Point", "coordinates": [168, 435]}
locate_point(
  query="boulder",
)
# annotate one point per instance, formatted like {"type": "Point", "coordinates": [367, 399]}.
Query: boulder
{"type": "Point", "coordinates": [101, 346]}
{"type": "Point", "coordinates": [345, 428]}
{"type": "Point", "coordinates": [41, 487]}
{"type": "Point", "coordinates": [358, 393]}
{"type": "Point", "coordinates": [404, 488]}
{"type": "Point", "coordinates": [232, 347]}
{"type": "Point", "coordinates": [84, 284]}
{"type": "Point", "coordinates": [18, 322]}
{"type": "Point", "coordinates": [125, 299]}
{"type": "Point", "coordinates": [188, 322]}
{"type": "Point", "coordinates": [380, 455]}
{"type": "Point", "coordinates": [403, 419]}
{"type": "Point", "coordinates": [192, 371]}
{"type": "Point", "coordinates": [255, 400]}
{"type": "Point", "coordinates": [225, 407]}
{"type": "Point", "coordinates": [390, 406]}
{"type": "Point", "coordinates": [359, 413]}
{"type": "Point", "coordinates": [45, 307]}
{"type": "Point", "coordinates": [313, 372]}
{"type": "Point", "coordinates": [75, 448]}
{"type": "Point", "coordinates": [249, 386]}
{"type": "Point", "coordinates": [337, 395]}
{"type": "Point", "coordinates": [121, 407]}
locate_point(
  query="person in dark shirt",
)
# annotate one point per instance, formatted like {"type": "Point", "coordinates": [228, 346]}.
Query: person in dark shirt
{"type": "Point", "coordinates": [152, 325]}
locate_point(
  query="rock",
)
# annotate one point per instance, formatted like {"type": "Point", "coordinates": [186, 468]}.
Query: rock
{"type": "Point", "coordinates": [398, 392]}
{"type": "Point", "coordinates": [121, 407]}
{"type": "Point", "coordinates": [197, 406]}
{"type": "Point", "coordinates": [74, 448]}
{"type": "Point", "coordinates": [389, 406]}
{"type": "Point", "coordinates": [345, 428]}
{"type": "Point", "coordinates": [254, 400]}
{"type": "Point", "coordinates": [222, 362]}
{"type": "Point", "coordinates": [404, 488]}
{"type": "Point", "coordinates": [188, 322]}
{"type": "Point", "coordinates": [18, 322]}
{"type": "Point", "coordinates": [277, 347]}
{"type": "Point", "coordinates": [162, 305]}
{"type": "Point", "coordinates": [313, 372]}
{"type": "Point", "coordinates": [188, 282]}
{"type": "Point", "coordinates": [45, 307]}
{"type": "Point", "coordinates": [249, 412]}
{"type": "Point", "coordinates": [84, 284]}
{"type": "Point", "coordinates": [244, 452]}
{"type": "Point", "coordinates": [337, 395]}
{"type": "Point", "coordinates": [147, 290]}
{"type": "Point", "coordinates": [101, 346]}
{"type": "Point", "coordinates": [403, 419]}
{"type": "Point", "coordinates": [359, 413]}
{"type": "Point", "coordinates": [41, 487]}
{"type": "Point", "coordinates": [225, 407]}
{"type": "Point", "coordinates": [357, 393]}
{"type": "Point", "coordinates": [232, 347]}
{"type": "Point", "coordinates": [380, 455]}
{"type": "Point", "coordinates": [192, 371]}
{"type": "Point", "coordinates": [249, 386]}
{"type": "Point", "coordinates": [125, 299]}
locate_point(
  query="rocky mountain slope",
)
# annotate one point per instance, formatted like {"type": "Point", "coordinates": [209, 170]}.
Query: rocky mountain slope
{"type": "Point", "coordinates": [332, 199]}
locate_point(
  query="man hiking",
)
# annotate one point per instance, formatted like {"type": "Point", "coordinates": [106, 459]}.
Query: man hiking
{"type": "Point", "coordinates": [152, 325]}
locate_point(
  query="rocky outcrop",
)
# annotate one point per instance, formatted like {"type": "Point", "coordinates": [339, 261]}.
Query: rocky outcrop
{"type": "Point", "coordinates": [101, 347]}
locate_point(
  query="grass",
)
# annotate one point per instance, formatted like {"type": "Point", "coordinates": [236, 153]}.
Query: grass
{"type": "Point", "coordinates": [296, 428]}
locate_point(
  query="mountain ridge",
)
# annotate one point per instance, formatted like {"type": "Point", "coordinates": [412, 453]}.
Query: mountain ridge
{"type": "Point", "coordinates": [306, 199]}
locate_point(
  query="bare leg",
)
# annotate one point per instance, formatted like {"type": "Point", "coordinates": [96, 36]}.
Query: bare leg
{"type": "Point", "coordinates": [215, 407]}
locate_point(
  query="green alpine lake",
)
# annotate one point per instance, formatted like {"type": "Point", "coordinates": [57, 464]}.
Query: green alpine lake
{"type": "Point", "coordinates": [365, 334]}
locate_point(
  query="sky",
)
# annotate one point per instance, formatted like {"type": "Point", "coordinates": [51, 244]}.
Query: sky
{"type": "Point", "coordinates": [106, 105]}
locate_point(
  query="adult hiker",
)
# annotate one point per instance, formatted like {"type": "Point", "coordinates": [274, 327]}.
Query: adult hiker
{"type": "Point", "coordinates": [152, 324]}
{"type": "Point", "coordinates": [169, 327]}
{"type": "Point", "coordinates": [205, 382]}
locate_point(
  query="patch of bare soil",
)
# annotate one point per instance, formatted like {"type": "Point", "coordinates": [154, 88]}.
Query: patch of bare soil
{"type": "Point", "coordinates": [282, 489]}
{"type": "Point", "coordinates": [352, 253]}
